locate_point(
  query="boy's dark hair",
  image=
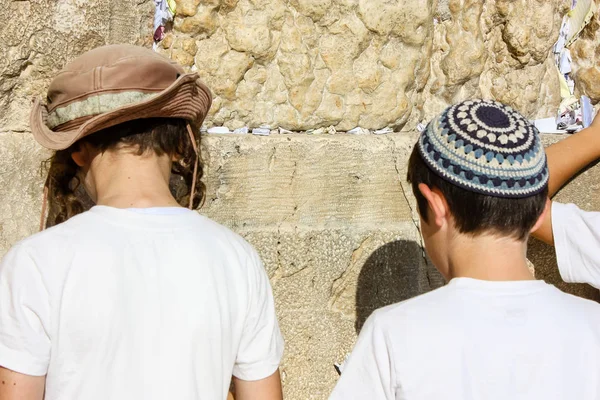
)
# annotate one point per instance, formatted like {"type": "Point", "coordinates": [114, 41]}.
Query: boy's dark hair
{"type": "Point", "coordinates": [159, 135]}
{"type": "Point", "coordinates": [476, 213]}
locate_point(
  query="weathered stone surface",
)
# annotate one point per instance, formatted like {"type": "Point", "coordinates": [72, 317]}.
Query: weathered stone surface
{"type": "Point", "coordinates": [302, 183]}
{"type": "Point", "coordinates": [306, 64]}
{"type": "Point", "coordinates": [372, 63]}
{"type": "Point", "coordinates": [496, 50]}
{"type": "Point", "coordinates": [39, 37]}
{"type": "Point", "coordinates": [586, 56]}
{"type": "Point", "coordinates": [21, 183]}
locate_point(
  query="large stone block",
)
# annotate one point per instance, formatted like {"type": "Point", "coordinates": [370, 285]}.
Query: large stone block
{"type": "Point", "coordinates": [374, 63]}
{"type": "Point", "coordinates": [313, 181]}
{"type": "Point", "coordinates": [344, 63]}
{"type": "Point", "coordinates": [21, 183]}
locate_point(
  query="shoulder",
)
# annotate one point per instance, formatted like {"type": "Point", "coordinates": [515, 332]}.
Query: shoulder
{"type": "Point", "coordinates": [568, 210]}
{"type": "Point", "coordinates": [574, 305]}
{"type": "Point", "coordinates": [221, 233]}
{"type": "Point", "coordinates": [573, 315]}
{"type": "Point", "coordinates": [435, 304]}
{"type": "Point", "coordinates": [55, 237]}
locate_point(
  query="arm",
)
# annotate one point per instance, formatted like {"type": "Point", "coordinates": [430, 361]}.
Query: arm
{"type": "Point", "coordinates": [565, 159]}
{"type": "Point", "coordinates": [15, 386]}
{"type": "Point", "coordinates": [256, 369]}
{"type": "Point", "coordinates": [572, 154]}
{"type": "Point", "coordinates": [264, 389]}
{"type": "Point", "coordinates": [24, 321]}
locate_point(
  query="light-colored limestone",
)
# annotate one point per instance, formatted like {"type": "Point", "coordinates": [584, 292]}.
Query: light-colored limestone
{"type": "Point", "coordinates": [310, 64]}
{"type": "Point", "coordinates": [374, 63]}
{"type": "Point", "coordinates": [21, 182]}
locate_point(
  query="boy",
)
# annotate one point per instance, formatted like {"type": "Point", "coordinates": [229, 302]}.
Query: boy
{"type": "Point", "coordinates": [493, 332]}
{"type": "Point", "coordinates": [138, 298]}
{"type": "Point", "coordinates": [574, 233]}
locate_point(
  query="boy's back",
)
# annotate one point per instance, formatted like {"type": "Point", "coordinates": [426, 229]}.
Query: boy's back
{"type": "Point", "coordinates": [128, 304]}
{"type": "Point", "coordinates": [475, 339]}
{"type": "Point", "coordinates": [480, 178]}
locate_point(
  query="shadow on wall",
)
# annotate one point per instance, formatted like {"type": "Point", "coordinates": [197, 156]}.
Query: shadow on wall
{"type": "Point", "coordinates": [394, 272]}
{"type": "Point", "coordinates": [397, 271]}
{"type": "Point", "coordinates": [543, 258]}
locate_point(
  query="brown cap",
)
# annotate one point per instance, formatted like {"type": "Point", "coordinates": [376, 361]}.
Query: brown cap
{"type": "Point", "coordinates": [111, 85]}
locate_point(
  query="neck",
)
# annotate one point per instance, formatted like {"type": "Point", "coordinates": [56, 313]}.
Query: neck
{"type": "Point", "coordinates": [131, 181]}
{"type": "Point", "coordinates": [488, 257]}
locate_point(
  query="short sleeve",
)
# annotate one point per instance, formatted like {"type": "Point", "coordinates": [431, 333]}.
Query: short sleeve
{"type": "Point", "coordinates": [261, 345]}
{"type": "Point", "coordinates": [24, 315]}
{"type": "Point", "coordinates": [369, 372]}
{"type": "Point", "coordinates": [577, 243]}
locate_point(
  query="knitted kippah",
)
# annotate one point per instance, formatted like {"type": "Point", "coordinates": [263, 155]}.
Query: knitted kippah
{"type": "Point", "coordinates": [486, 147]}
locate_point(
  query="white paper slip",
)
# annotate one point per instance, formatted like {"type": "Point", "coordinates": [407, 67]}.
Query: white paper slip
{"type": "Point", "coordinates": [547, 125]}
{"type": "Point", "coordinates": [219, 129]}
{"type": "Point", "coordinates": [383, 131]}
{"type": "Point", "coordinates": [241, 130]}
{"type": "Point", "coordinates": [587, 110]}
{"type": "Point", "coordinates": [261, 131]}
{"type": "Point", "coordinates": [358, 131]}
{"type": "Point", "coordinates": [565, 61]}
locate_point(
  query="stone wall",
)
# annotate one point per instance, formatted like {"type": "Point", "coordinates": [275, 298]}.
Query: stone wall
{"type": "Point", "coordinates": [330, 215]}
{"type": "Point", "coordinates": [369, 63]}
{"type": "Point", "coordinates": [312, 63]}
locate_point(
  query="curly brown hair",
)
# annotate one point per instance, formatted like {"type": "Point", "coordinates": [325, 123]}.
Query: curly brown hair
{"type": "Point", "coordinates": [66, 197]}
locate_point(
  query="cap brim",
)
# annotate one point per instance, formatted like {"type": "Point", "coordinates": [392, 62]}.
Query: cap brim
{"type": "Point", "coordinates": [187, 98]}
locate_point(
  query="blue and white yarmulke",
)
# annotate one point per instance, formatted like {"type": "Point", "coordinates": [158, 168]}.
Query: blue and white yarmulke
{"type": "Point", "coordinates": [486, 147]}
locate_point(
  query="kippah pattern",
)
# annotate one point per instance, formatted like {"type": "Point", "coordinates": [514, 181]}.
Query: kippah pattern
{"type": "Point", "coordinates": [486, 147]}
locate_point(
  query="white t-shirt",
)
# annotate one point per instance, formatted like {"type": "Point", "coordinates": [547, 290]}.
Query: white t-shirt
{"type": "Point", "coordinates": [115, 304]}
{"type": "Point", "coordinates": [474, 340]}
{"type": "Point", "coordinates": [577, 243]}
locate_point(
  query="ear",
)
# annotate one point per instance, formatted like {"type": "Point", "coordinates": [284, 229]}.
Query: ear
{"type": "Point", "coordinates": [437, 204]}
{"type": "Point", "coordinates": [543, 216]}
{"type": "Point", "coordinates": [81, 156]}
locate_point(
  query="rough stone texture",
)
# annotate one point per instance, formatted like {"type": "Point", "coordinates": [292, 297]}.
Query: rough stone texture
{"type": "Point", "coordinates": [40, 36]}
{"type": "Point", "coordinates": [21, 184]}
{"type": "Point", "coordinates": [306, 64]}
{"type": "Point", "coordinates": [331, 217]}
{"type": "Point", "coordinates": [586, 56]}
{"type": "Point", "coordinates": [370, 63]}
